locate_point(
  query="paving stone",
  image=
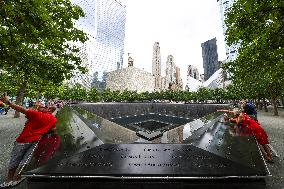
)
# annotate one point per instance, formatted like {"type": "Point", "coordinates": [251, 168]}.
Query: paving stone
{"type": "Point", "coordinates": [274, 126]}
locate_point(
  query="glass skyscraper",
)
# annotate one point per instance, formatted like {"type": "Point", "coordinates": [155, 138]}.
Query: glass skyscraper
{"type": "Point", "coordinates": [104, 23]}
{"type": "Point", "coordinates": [231, 51]}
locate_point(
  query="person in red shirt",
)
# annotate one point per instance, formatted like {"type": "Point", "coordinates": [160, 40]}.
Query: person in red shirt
{"type": "Point", "coordinates": [39, 122]}
{"type": "Point", "coordinates": [252, 127]}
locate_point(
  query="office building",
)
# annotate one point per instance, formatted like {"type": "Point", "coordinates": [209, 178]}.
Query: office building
{"type": "Point", "coordinates": [231, 51]}
{"type": "Point", "coordinates": [156, 66]}
{"type": "Point", "coordinates": [170, 71]}
{"type": "Point", "coordinates": [178, 82]}
{"type": "Point", "coordinates": [210, 58]}
{"type": "Point", "coordinates": [193, 72]}
{"type": "Point", "coordinates": [131, 79]}
{"type": "Point", "coordinates": [173, 79]}
{"type": "Point", "coordinates": [130, 60]}
{"type": "Point", "coordinates": [79, 78]}
{"type": "Point", "coordinates": [104, 23]}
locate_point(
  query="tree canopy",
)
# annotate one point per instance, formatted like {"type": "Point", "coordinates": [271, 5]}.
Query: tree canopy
{"type": "Point", "coordinates": [258, 28]}
{"type": "Point", "coordinates": [38, 40]}
{"type": "Point", "coordinates": [38, 37]}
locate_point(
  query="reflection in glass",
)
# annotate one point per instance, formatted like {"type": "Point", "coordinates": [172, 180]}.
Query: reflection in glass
{"type": "Point", "coordinates": [104, 23]}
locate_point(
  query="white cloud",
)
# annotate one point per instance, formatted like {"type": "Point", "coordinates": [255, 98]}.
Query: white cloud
{"type": "Point", "coordinates": [180, 26]}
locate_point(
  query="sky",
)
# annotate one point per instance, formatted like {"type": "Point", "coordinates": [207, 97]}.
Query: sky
{"type": "Point", "coordinates": [180, 26]}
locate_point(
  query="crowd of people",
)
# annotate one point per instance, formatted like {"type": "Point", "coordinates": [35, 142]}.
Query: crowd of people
{"type": "Point", "coordinates": [32, 104]}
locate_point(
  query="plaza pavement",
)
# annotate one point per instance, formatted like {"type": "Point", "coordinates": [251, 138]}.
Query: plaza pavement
{"type": "Point", "coordinates": [10, 128]}
{"type": "Point", "coordinates": [274, 125]}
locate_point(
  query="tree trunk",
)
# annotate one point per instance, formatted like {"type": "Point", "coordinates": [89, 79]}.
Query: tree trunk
{"type": "Point", "coordinates": [255, 102]}
{"type": "Point", "coordinates": [265, 105]}
{"type": "Point", "coordinates": [274, 105]}
{"type": "Point", "coordinates": [282, 101]}
{"type": "Point", "coordinates": [258, 105]}
{"type": "Point", "coordinates": [37, 96]}
{"type": "Point", "coordinates": [20, 98]}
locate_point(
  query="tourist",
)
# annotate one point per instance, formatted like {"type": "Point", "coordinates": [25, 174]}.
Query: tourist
{"type": "Point", "coordinates": [4, 108]}
{"type": "Point", "coordinates": [249, 109]}
{"type": "Point", "coordinates": [39, 122]}
{"type": "Point", "coordinates": [243, 121]}
{"type": "Point", "coordinates": [30, 103]}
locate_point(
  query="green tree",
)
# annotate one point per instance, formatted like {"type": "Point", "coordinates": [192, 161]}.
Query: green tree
{"type": "Point", "coordinates": [129, 95]}
{"type": "Point", "coordinates": [78, 93]}
{"type": "Point", "coordinates": [232, 92]}
{"type": "Point", "coordinates": [107, 96]}
{"type": "Point", "coordinates": [8, 84]}
{"type": "Point", "coordinates": [145, 95]}
{"type": "Point", "coordinates": [258, 26]}
{"type": "Point", "coordinates": [52, 91]}
{"type": "Point", "coordinates": [94, 95]}
{"type": "Point", "coordinates": [117, 96]}
{"type": "Point", "coordinates": [38, 41]}
{"type": "Point", "coordinates": [219, 95]}
{"type": "Point", "coordinates": [188, 96]}
{"type": "Point", "coordinates": [67, 93]}
{"type": "Point", "coordinates": [204, 94]}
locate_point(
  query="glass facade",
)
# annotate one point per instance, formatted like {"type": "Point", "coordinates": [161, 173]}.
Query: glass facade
{"type": "Point", "coordinates": [104, 23]}
{"type": "Point", "coordinates": [231, 51]}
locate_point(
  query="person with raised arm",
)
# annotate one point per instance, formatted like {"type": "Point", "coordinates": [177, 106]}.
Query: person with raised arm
{"type": "Point", "coordinates": [39, 122]}
{"type": "Point", "coordinates": [243, 121]}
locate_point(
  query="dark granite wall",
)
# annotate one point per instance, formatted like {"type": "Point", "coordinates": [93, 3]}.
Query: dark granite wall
{"type": "Point", "coordinates": [111, 110]}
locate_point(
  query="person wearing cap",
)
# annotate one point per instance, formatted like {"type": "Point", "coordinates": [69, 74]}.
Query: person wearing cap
{"type": "Point", "coordinates": [243, 121]}
{"type": "Point", "coordinates": [249, 109]}
{"type": "Point", "coordinates": [39, 122]}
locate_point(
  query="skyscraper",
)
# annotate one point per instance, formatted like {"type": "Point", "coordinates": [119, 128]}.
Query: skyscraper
{"type": "Point", "coordinates": [170, 71]}
{"type": "Point", "coordinates": [130, 60]}
{"type": "Point", "coordinates": [156, 65]}
{"type": "Point", "coordinates": [104, 23]}
{"type": "Point", "coordinates": [231, 51]}
{"type": "Point", "coordinates": [179, 83]}
{"type": "Point", "coordinates": [83, 79]}
{"type": "Point", "coordinates": [210, 58]}
{"type": "Point", "coordinates": [192, 71]}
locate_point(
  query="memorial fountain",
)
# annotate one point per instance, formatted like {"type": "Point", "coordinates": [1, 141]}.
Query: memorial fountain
{"type": "Point", "coordinates": [153, 145]}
